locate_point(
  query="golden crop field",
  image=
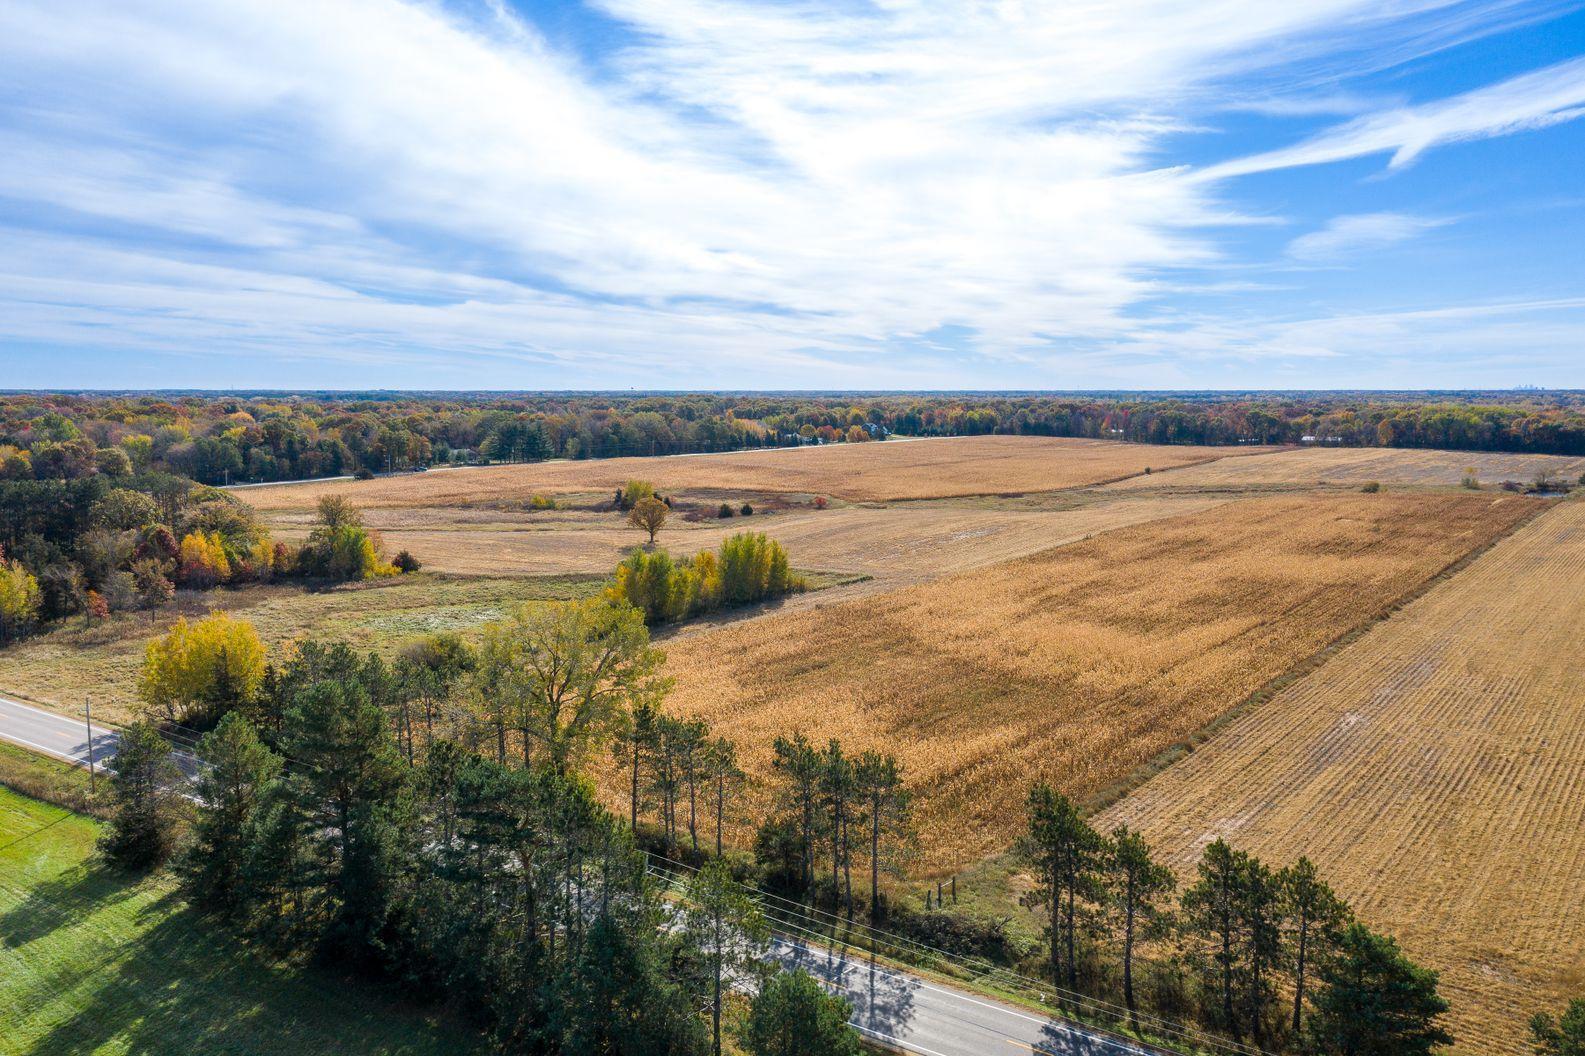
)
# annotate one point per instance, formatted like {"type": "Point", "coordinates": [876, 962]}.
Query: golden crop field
{"type": "Point", "coordinates": [1435, 771]}
{"type": "Point", "coordinates": [874, 472]}
{"type": "Point", "coordinates": [1308, 467]}
{"type": "Point", "coordinates": [1079, 663]}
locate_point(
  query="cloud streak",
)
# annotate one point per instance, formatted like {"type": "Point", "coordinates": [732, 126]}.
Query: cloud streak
{"type": "Point", "coordinates": [742, 191]}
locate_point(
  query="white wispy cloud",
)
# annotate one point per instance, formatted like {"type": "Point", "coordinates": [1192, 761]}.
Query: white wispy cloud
{"type": "Point", "coordinates": [1345, 236]}
{"type": "Point", "coordinates": [775, 191]}
{"type": "Point", "coordinates": [1533, 100]}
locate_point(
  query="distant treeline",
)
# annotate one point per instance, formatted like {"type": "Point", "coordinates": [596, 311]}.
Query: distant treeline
{"type": "Point", "coordinates": [218, 439]}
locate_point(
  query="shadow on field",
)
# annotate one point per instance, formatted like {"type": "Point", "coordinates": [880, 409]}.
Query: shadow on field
{"type": "Point", "coordinates": [60, 900]}
{"type": "Point", "coordinates": [181, 985]}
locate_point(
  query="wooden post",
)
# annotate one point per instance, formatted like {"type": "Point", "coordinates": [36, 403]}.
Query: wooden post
{"type": "Point", "coordinates": [954, 889]}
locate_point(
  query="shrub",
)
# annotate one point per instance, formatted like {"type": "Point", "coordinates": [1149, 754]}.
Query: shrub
{"type": "Point", "coordinates": [725, 511]}
{"type": "Point", "coordinates": [95, 607]}
{"type": "Point", "coordinates": [1371, 487]}
{"type": "Point", "coordinates": [540, 503]}
{"type": "Point", "coordinates": [821, 502]}
{"type": "Point", "coordinates": [202, 562]}
{"type": "Point", "coordinates": [747, 511]}
{"type": "Point", "coordinates": [1470, 480]}
{"type": "Point", "coordinates": [633, 492]}
{"type": "Point", "coordinates": [197, 672]}
{"type": "Point", "coordinates": [406, 562]}
{"type": "Point", "coordinates": [363, 473]}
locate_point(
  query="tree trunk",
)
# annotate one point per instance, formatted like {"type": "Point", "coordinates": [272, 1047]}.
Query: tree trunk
{"type": "Point", "coordinates": [1073, 967]}
{"type": "Point", "coordinates": [633, 815]}
{"type": "Point", "coordinates": [1298, 980]}
{"type": "Point", "coordinates": [875, 864]}
{"type": "Point", "coordinates": [715, 1004]}
{"type": "Point", "coordinates": [720, 811]}
{"type": "Point", "coordinates": [1128, 962]}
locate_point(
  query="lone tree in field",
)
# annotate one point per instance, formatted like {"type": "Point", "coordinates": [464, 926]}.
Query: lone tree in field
{"type": "Point", "coordinates": [1374, 1001]}
{"type": "Point", "coordinates": [649, 515]}
{"type": "Point", "coordinates": [142, 832]}
{"type": "Point", "coordinates": [794, 1016]}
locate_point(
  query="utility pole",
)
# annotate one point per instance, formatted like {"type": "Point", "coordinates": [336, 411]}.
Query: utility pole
{"type": "Point", "coordinates": [88, 717]}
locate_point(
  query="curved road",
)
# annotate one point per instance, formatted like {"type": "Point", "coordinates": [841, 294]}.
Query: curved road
{"type": "Point", "coordinates": [894, 1008]}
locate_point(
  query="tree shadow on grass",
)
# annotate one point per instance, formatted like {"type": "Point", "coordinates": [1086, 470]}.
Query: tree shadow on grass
{"type": "Point", "coordinates": [187, 986]}
{"type": "Point", "coordinates": [69, 896]}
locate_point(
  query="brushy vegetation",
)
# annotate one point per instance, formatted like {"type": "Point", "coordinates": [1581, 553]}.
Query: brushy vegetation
{"type": "Point", "coordinates": [750, 567]}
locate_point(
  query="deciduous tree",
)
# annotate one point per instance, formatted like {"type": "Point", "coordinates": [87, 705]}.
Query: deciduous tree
{"type": "Point", "coordinates": [569, 673]}
{"type": "Point", "coordinates": [649, 515]}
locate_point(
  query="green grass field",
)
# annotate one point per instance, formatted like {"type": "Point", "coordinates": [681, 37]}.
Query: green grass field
{"type": "Point", "coordinates": [92, 961]}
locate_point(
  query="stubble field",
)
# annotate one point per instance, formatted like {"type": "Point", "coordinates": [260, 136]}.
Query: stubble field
{"type": "Point", "coordinates": [1309, 467]}
{"type": "Point", "coordinates": [873, 472]}
{"type": "Point", "coordinates": [1079, 663]}
{"type": "Point", "coordinates": [1435, 770]}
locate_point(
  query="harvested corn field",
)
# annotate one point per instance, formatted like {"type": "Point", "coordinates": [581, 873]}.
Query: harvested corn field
{"type": "Point", "coordinates": [874, 472]}
{"type": "Point", "coordinates": [1308, 467]}
{"type": "Point", "coordinates": [1435, 771]}
{"type": "Point", "coordinates": [1079, 663]}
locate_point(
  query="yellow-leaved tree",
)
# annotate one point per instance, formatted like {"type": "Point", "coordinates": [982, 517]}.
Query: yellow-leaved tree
{"type": "Point", "coordinates": [202, 561]}
{"type": "Point", "coordinates": [199, 671]}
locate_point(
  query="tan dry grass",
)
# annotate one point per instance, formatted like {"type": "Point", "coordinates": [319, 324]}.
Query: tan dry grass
{"type": "Point", "coordinates": [1435, 771]}
{"type": "Point", "coordinates": [1306, 467]}
{"type": "Point", "coordinates": [895, 545]}
{"type": "Point", "coordinates": [1078, 663]}
{"type": "Point", "coordinates": [874, 472]}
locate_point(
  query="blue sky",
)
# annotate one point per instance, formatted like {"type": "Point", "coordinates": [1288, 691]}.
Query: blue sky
{"type": "Point", "coordinates": [792, 194]}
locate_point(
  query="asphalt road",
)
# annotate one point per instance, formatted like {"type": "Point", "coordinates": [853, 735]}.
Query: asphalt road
{"type": "Point", "coordinates": [64, 737]}
{"type": "Point", "coordinates": [905, 1012]}
{"type": "Point", "coordinates": [900, 1010]}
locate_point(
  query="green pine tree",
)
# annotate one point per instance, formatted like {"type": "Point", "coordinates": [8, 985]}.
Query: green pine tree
{"type": "Point", "coordinates": [793, 1016]}
{"type": "Point", "coordinates": [1374, 1001]}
